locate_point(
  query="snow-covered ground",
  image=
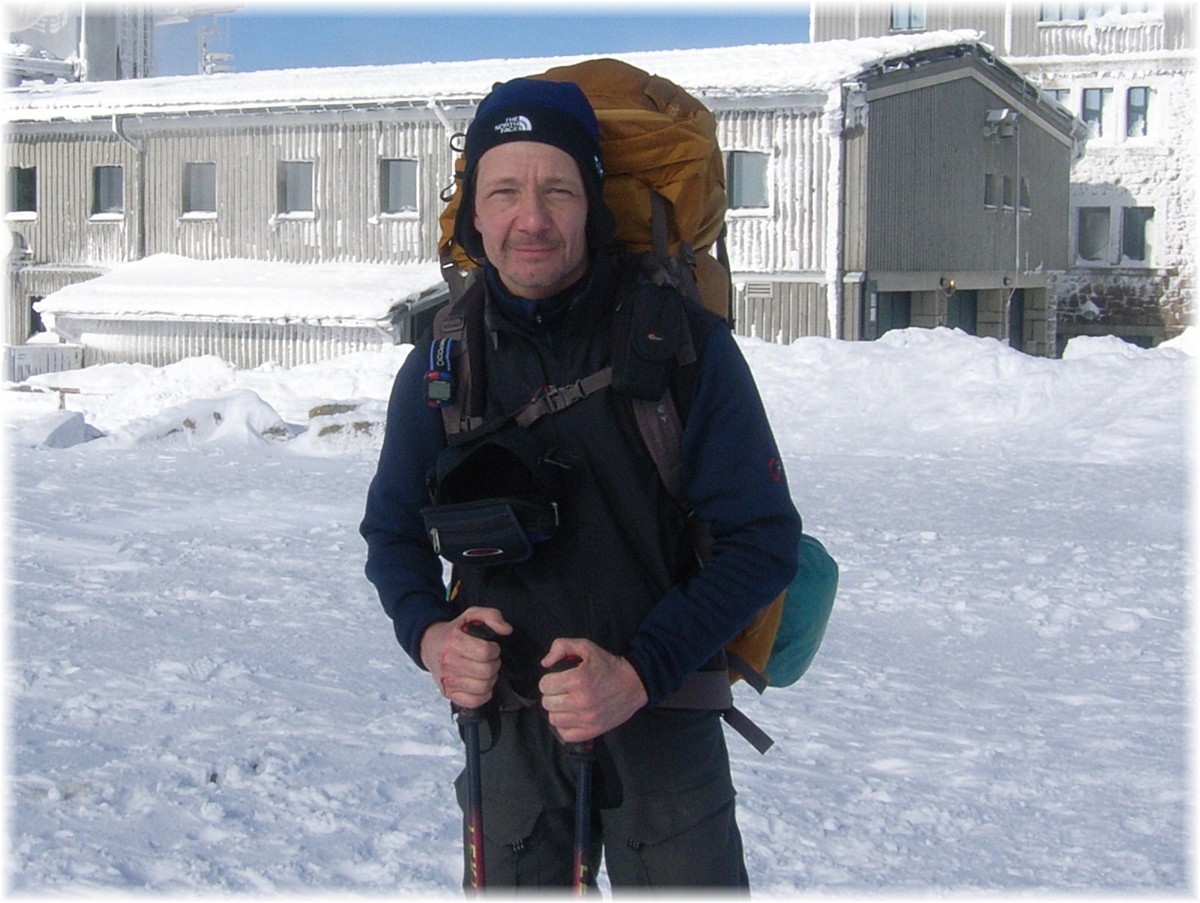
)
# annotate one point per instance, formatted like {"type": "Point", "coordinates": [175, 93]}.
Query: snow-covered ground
{"type": "Point", "coordinates": [206, 696]}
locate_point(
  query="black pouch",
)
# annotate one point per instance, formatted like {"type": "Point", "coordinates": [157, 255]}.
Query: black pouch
{"type": "Point", "coordinates": [489, 531]}
{"type": "Point", "coordinates": [493, 499]}
{"type": "Point", "coordinates": [652, 319]}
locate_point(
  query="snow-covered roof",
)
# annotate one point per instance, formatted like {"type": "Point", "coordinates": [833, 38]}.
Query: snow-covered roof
{"type": "Point", "coordinates": [717, 73]}
{"type": "Point", "coordinates": [169, 286]}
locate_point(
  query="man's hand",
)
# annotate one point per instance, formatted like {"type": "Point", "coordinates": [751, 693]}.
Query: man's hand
{"type": "Point", "coordinates": [600, 693]}
{"type": "Point", "coordinates": [464, 667]}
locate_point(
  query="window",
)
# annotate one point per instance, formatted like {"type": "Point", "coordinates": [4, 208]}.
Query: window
{"type": "Point", "coordinates": [962, 311]}
{"type": "Point", "coordinates": [1092, 236]}
{"type": "Point", "coordinates": [108, 190]}
{"type": "Point", "coordinates": [295, 187]}
{"type": "Point", "coordinates": [1061, 12]}
{"type": "Point", "coordinates": [398, 186]}
{"type": "Point", "coordinates": [991, 191]}
{"type": "Point", "coordinates": [998, 192]}
{"type": "Point", "coordinates": [22, 189]}
{"type": "Point", "coordinates": [36, 323]}
{"type": "Point", "coordinates": [1062, 95]}
{"type": "Point", "coordinates": [908, 16]}
{"type": "Point", "coordinates": [1137, 112]}
{"type": "Point", "coordinates": [1094, 102]}
{"type": "Point", "coordinates": [746, 180]}
{"type": "Point", "coordinates": [1079, 12]}
{"type": "Point", "coordinates": [1137, 224]}
{"type": "Point", "coordinates": [887, 311]}
{"type": "Point", "coordinates": [200, 188]}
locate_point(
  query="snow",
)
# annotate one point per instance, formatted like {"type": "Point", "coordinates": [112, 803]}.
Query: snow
{"type": "Point", "coordinates": [716, 73]}
{"type": "Point", "coordinates": [168, 285]}
{"type": "Point", "coordinates": [207, 698]}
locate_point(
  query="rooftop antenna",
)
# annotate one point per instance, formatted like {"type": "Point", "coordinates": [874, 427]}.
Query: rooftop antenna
{"type": "Point", "coordinates": [212, 61]}
{"type": "Point", "coordinates": [83, 51]}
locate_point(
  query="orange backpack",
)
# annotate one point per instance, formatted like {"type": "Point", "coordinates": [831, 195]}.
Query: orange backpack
{"type": "Point", "coordinates": [664, 177]}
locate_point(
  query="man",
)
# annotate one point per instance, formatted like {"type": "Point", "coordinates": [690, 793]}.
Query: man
{"type": "Point", "coordinates": [615, 588]}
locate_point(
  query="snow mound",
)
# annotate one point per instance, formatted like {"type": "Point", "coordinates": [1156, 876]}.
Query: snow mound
{"type": "Point", "coordinates": [347, 428]}
{"type": "Point", "coordinates": [236, 418]}
{"type": "Point", "coordinates": [1085, 346]}
{"type": "Point", "coordinates": [61, 429]}
{"type": "Point", "coordinates": [942, 393]}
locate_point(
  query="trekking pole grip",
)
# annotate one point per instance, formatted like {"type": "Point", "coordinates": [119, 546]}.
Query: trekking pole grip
{"type": "Point", "coordinates": [481, 631]}
{"type": "Point", "coordinates": [583, 750]}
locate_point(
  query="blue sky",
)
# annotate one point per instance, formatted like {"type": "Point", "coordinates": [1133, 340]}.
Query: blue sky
{"type": "Point", "coordinates": [278, 36]}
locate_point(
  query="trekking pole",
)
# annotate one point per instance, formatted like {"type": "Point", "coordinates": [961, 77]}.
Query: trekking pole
{"type": "Point", "coordinates": [583, 754]}
{"type": "Point", "coordinates": [468, 722]}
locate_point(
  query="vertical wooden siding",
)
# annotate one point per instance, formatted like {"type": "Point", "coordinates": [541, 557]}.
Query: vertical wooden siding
{"type": "Point", "coordinates": [840, 20]}
{"type": "Point", "coordinates": [244, 345]}
{"type": "Point", "coordinates": [790, 235]}
{"type": "Point", "coordinates": [1014, 28]}
{"type": "Point", "coordinates": [346, 224]}
{"type": "Point", "coordinates": [928, 159]}
{"type": "Point", "coordinates": [64, 232]}
{"type": "Point", "coordinates": [792, 310]}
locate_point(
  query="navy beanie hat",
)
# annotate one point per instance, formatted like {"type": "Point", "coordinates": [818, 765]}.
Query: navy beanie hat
{"type": "Point", "coordinates": [548, 112]}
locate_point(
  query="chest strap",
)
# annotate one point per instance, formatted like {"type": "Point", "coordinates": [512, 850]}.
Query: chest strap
{"type": "Point", "coordinates": [557, 398]}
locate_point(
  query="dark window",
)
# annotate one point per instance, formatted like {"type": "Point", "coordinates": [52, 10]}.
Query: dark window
{"type": "Point", "coordinates": [962, 311]}
{"type": "Point", "coordinates": [398, 186]}
{"type": "Point", "coordinates": [1082, 11]}
{"type": "Point", "coordinates": [1137, 113]}
{"type": "Point", "coordinates": [108, 190]}
{"type": "Point", "coordinates": [35, 319]}
{"type": "Point", "coordinates": [22, 189]}
{"type": "Point", "coordinates": [1092, 237]}
{"type": "Point", "coordinates": [908, 16]}
{"type": "Point", "coordinates": [886, 311]}
{"type": "Point", "coordinates": [1137, 233]}
{"type": "Point", "coordinates": [991, 191]}
{"type": "Point", "coordinates": [1016, 320]}
{"type": "Point", "coordinates": [746, 180]}
{"type": "Point", "coordinates": [200, 188]}
{"type": "Point", "coordinates": [1025, 203]}
{"type": "Point", "coordinates": [295, 187]}
{"type": "Point", "coordinates": [1094, 102]}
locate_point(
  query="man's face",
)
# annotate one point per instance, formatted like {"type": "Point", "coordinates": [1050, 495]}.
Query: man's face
{"type": "Point", "coordinates": [531, 211]}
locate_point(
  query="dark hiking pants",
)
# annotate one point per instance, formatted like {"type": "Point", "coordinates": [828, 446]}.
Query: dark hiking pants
{"type": "Point", "coordinates": [662, 804]}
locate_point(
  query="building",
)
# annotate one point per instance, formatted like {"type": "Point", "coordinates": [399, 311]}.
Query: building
{"type": "Point", "coordinates": [873, 183]}
{"type": "Point", "coordinates": [74, 43]}
{"type": "Point", "coordinates": [1127, 69]}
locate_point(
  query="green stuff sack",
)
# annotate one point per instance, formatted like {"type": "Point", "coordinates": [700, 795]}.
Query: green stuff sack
{"type": "Point", "coordinates": [806, 611]}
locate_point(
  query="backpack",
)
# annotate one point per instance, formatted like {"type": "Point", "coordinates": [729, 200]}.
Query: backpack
{"type": "Point", "coordinates": [664, 180]}
{"type": "Point", "coordinates": [665, 184]}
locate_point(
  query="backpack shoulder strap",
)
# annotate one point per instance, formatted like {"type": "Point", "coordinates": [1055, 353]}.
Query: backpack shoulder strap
{"type": "Point", "coordinates": [456, 357]}
{"type": "Point", "coordinates": [656, 407]}
{"type": "Point", "coordinates": [661, 427]}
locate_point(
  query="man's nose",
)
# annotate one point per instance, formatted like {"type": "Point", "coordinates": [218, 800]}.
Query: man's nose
{"type": "Point", "coordinates": [532, 212]}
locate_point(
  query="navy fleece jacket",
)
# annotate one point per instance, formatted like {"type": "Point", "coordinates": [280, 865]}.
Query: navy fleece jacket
{"type": "Point", "coordinates": [732, 475]}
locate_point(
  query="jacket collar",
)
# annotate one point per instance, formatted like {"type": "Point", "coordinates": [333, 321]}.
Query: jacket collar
{"type": "Point", "coordinates": [578, 309]}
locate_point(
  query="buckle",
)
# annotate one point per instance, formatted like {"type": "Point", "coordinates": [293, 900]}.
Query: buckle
{"type": "Point", "coordinates": [558, 397]}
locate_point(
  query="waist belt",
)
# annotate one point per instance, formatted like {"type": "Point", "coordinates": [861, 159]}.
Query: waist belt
{"type": "Point", "coordinates": [711, 690]}
{"type": "Point", "coordinates": [707, 690]}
